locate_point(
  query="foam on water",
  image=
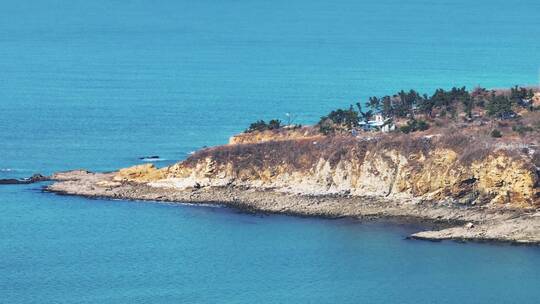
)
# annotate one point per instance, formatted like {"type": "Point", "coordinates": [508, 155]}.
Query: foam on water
{"type": "Point", "coordinates": [153, 159]}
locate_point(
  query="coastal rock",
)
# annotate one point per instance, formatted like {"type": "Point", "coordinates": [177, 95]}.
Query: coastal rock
{"type": "Point", "coordinates": [488, 223]}
{"type": "Point", "coordinates": [140, 174]}
{"type": "Point", "coordinates": [30, 180]}
{"type": "Point", "coordinates": [108, 184]}
{"type": "Point", "coordinates": [522, 230]}
{"type": "Point", "coordinates": [427, 170]}
{"type": "Point", "coordinates": [70, 175]}
{"type": "Point", "coordinates": [273, 135]}
{"type": "Point", "coordinates": [536, 99]}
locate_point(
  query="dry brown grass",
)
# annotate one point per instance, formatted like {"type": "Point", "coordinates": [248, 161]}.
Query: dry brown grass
{"type": "Point", "coordinates": [273, 135]}
{"type": "Point", "coordinates": [472, 143]}
{"type": "Point", "coordinates": [300, 154]}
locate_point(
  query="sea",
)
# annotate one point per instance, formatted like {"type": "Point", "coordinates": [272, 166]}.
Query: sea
{"type": "Point", "coordinates": [99, 84]}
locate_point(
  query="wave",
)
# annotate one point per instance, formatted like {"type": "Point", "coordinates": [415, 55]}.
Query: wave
{"type": "Point", "coordinates": [150, 159]}
{"type": "Point", "coordinates": [198, 204]}
{"type": "Point", "coordinates": [14, 170]}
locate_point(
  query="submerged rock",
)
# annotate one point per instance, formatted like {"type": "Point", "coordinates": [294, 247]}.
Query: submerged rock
{"type": "Point", "coordinates": [149, 157]}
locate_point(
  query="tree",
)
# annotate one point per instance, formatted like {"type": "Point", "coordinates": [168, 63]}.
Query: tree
{"type": "Point", "coordinates": [414, 125]}
{"type": "Point", "coordinates": [274, 124]}
{"type": "Point", "coordinates": [259, 125]}
{"type": "Point", "coordinates": [480, 96]}
{"type": "Point", "coordinates": [499, 105]}
{"type": "Point", "coordinates": [374, 103]}
{"type": "Point", "coordinates": [518, 93]}
{"type": "Point", "coordinates": [366, 116]}
{"type": "Point", "coordinates": [387, 106]}
{"type": "Point", "coordinates": [407, 102]}
{"type": "Point", "coordinates": [468, 105]}
{"type": "Point", "coordinates": [426, 106]}
{"type": "Point", "coordinates": [290, 118]}
{"type": "Point", "coordinates": [339, 120]}
{"type": "Point", "coordinates": [439, 99]}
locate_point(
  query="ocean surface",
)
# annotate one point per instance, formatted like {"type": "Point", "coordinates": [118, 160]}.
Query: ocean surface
{"type": "Point", "coordinates": [98, 84]}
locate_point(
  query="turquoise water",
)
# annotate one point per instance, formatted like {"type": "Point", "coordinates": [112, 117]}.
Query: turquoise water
{"type": "Point", "coordinates": [97, 84]}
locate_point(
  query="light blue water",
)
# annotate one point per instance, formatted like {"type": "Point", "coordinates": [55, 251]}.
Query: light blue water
{"type": "Point", "coordinates": [96, 84]}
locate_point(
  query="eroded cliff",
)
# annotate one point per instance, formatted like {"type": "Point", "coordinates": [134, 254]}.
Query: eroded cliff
{"type": "Point", "coordinates": [438, 168]}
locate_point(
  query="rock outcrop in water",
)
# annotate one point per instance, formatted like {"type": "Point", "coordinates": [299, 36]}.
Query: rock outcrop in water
{"type": "Point", "coordinates": [21, 181]}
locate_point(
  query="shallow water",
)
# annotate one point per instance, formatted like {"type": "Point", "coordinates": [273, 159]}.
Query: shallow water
{"type": "Point", "coordinates": [98, 84]}
{"type": "Point", "coordinates": [73, 250]}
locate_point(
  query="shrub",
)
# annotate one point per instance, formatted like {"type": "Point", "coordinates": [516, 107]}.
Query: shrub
{"type": "Point", "coordinates": [346, 118]}
{"type": "Point", "coordinates": [422, 125]}
{"type": "Point", "coordinates": [274, 124]}
{"type": "Point", "coordinates": [518, 93]}
{"type": "Point", "coordinates": [405, 129]}
{"type": "Point", "coordinates": [414, 125]}
{"type": "Point", "coordinates": [499, 106]}
{"type": "Point", "coordinates": [301, 154]}
{"type": "Point", "coordinates": [326, 126]}
{"type": "Point", "coordinates": [261, 125]}
{"type": "Point", "coordinates": [536, 159]}
{"type": "Point", "coordinates": [521, 129]}
{"type": "Point", "coordinates": [339, 120]}
{"type": "Point", "coordinates": [496, 133]}
{"type": "Point", "coordinates": [443, 113]}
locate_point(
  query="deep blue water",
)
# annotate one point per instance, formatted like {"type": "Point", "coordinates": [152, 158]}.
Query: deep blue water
{"type": "Point", "coordinates": [96, 84]}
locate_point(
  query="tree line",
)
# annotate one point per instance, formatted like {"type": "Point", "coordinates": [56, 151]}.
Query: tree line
{"type": "Point", "coordinates": [414, 106]}
{"type": "Point", "coordinates": [447, 102]}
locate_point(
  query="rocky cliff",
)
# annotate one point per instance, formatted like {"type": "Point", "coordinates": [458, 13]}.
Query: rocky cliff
{"type": "Point", "coordinates": [287, 133]}
{"type": "Point", "coordinates": [536, 99]}
{"type": "Point", "coordinates": [439, 168]}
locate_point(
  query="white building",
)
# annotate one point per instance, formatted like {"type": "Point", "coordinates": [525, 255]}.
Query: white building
{"type": "Point", "coordinates": [379, 122]}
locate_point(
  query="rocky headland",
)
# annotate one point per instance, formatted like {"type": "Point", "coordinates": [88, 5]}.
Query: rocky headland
{"type": "Point", "coordinates": [485, 191]}
{"type": "Point", "coordinates": [477, 174]}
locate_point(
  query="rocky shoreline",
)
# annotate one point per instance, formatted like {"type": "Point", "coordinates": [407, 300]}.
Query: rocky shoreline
{"type": "Point", "coordinates": [36, 178]}
{"type": "Point", "coordinates": [452, 221]}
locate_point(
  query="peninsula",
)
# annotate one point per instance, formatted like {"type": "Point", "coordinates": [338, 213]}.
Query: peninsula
{"type": "Point", "coordinates": [469, 160]}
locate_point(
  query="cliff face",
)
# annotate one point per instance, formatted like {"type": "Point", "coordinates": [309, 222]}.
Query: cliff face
{"type": "Point", "coordinates": [274, 135]}
{"type": "Point", "coordinates": [429, 168]}
{"type": "Point", "coordinates": [536, 99]}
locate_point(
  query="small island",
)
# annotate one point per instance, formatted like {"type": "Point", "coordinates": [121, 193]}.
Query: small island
{"type": "Point", "coordinates": [467, 160]}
